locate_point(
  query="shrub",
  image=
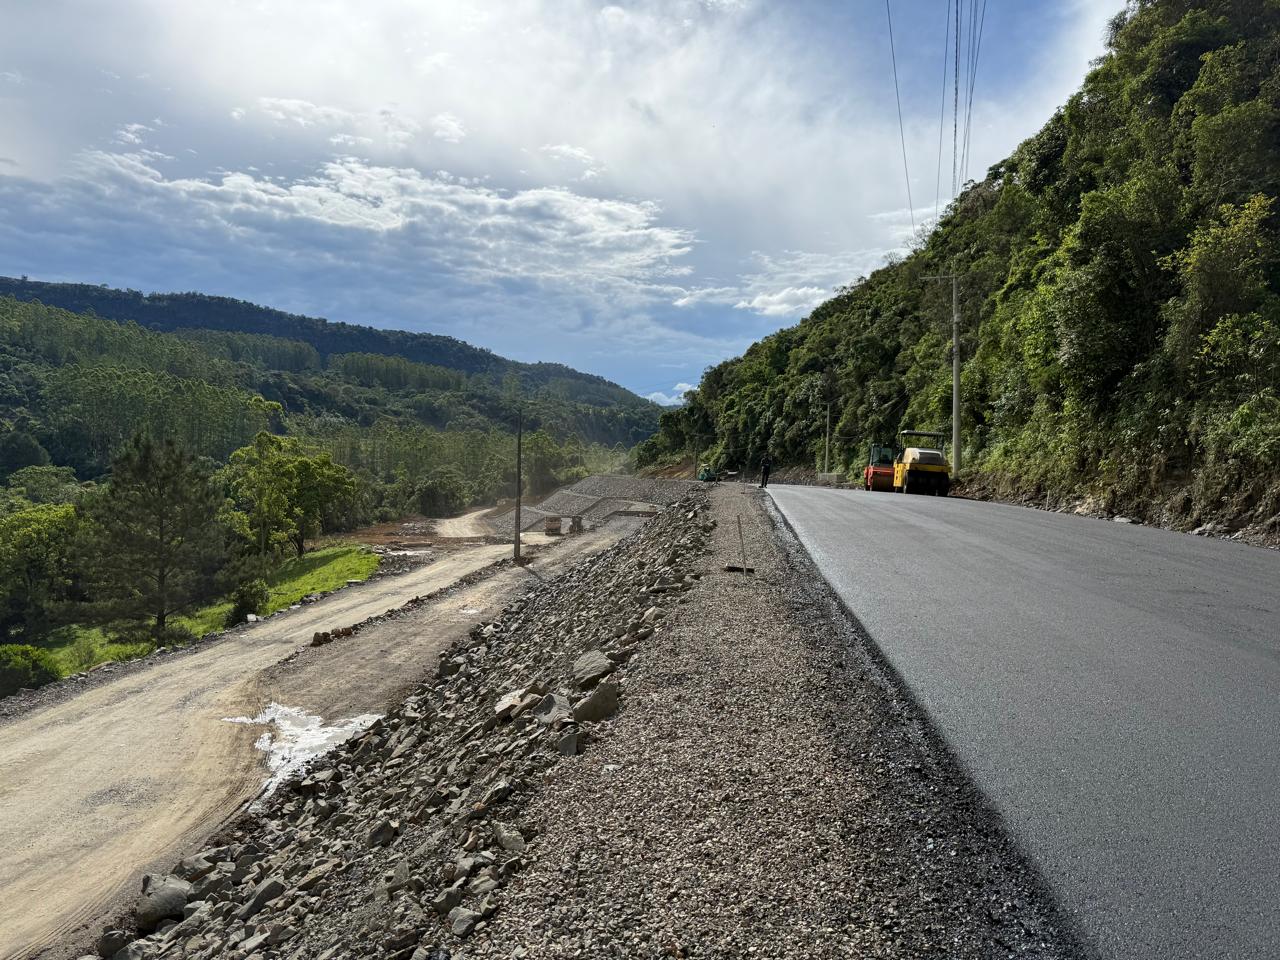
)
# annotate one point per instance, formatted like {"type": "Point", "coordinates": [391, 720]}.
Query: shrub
{"type": "Point", "coordinates": [22, 667]}
{"type": "Point", "coordinates": [251, 596]}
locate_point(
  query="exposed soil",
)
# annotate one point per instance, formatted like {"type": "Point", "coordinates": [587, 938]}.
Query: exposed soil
{"type": "Point", "coordinates": [98, 786]}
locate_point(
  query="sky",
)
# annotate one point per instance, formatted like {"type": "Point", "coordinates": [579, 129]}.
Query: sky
{"type": "Point", "coordinates": [639, 190]}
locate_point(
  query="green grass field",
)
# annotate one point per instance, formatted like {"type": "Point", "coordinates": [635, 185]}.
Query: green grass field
{"type": "Point", "coordinates": [77, 648]}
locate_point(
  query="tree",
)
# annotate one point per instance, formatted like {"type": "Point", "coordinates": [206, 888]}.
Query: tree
{"type": "Point", "coordinates": [259, 479]}
{"type": "Point", "coordinates": [286, 494]}
{"type": "Point", "coordinates": [45, 484]}
{"type": "Point", "coordinates": [20, 449]}
{"type": "Point", "coordinates": [155, 534]}
{"type": "Point", "coordinates": [442, 493]}
{"type": "Point", "coordinates": [36, 552]}
{"type": "Point", "coordinates": [320, 493]}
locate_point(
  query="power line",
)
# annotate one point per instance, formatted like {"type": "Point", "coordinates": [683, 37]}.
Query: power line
{"type": "Point", "coordinates": [973, 81]}
{"type": "Point", "coordinates": [911, 209]}
{"type": "Point", "coordinates": [955, 105]}
{"type": "Point", "coordinates": [942, 111]}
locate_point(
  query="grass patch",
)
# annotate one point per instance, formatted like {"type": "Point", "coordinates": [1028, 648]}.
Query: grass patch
{"type": "Point", "coordinates": [75, 648]}
{"type": "Point", "coordinates": [314, 572]}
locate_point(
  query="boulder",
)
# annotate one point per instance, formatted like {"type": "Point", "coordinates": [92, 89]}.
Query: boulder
{"type": "Point", "coordinates": [592, 667]}
{"type": "Point", "coordinates": [600, 704]}
{"type": "Point", "coordinates": [462, 921]}
{"type": "Point", "coordinates": [162, 899]}
{"type": "Point", "coordinates": [112, 942]}
{"type": "Point", "coordinates": [265, 891]}
{"type": "Point", "coordinates": [448, 898]}
{"type": "Point", "coordinates": [552, 708]}
{"type": "Point", "coordinates": [381, 833]}
{"type": "Point", "coordinates": [508, 837]}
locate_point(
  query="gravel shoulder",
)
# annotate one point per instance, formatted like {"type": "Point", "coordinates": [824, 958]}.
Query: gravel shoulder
{"type": "Point", "coordinates": [644, 756]}
{"type": "Point", "coordinates": [767, 792]}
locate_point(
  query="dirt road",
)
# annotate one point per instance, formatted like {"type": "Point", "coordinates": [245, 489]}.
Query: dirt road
{"type": "Point", "coordinates": [468, 525]}
{"type": "Point", "coordinates": [95, 790]}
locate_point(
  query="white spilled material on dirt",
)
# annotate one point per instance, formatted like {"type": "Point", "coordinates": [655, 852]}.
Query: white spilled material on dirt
{"type": "Point", "coordinates": [298, 738]}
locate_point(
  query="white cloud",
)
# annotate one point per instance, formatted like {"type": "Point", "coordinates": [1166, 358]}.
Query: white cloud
{"type": "Point", "coordinates": [789, 284]}
{"type": "Point", "coordinates": [733, 158]}
{"type": "Point", "coordinates": [673, 399]}
{"type": "Point", "coordinates": [303, 113]}
{"type": "Point", "coordinates": [589, 167]}
{"type": "Point", "coordinates": [131, 133]}
{"type": "Point", "coordinates": [349, 140]}
{"type": "Point", "coordinates": [546, 234]}
{"type": "Point", "coordinates": [448, 128]}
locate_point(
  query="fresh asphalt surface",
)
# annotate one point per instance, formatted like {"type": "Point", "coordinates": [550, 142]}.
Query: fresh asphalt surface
{"type": "Point", "coordinates": [1114, 690]}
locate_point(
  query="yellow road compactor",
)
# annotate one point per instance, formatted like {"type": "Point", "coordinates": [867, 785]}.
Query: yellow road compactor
{"type": "Point", "coordinates": [921, 469]}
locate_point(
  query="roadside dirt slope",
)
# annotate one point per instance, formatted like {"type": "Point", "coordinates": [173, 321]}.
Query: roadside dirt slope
{"type": "Point", "coordinates": [95, 790]}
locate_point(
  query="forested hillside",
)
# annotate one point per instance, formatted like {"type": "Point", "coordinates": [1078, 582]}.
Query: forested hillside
{"type": "Point", "coordinates": [156, 485]}
{"type": "Point", "coordinates": [1120, 294]}
{"type": "Point", "coordinates": [562, 397]}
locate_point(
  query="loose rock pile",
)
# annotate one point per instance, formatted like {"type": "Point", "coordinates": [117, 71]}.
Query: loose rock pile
{"type": "Point", "coordinates": [596, 498]}
{"type": "Point", "coordinates": [400, 842]}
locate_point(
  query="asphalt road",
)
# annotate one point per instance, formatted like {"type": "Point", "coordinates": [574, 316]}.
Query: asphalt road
{"type": "Point", "coordinates": [1113, 689]}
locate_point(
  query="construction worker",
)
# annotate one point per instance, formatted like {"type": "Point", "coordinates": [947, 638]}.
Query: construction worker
{"type": "Point", "coordinates": [765, 466]}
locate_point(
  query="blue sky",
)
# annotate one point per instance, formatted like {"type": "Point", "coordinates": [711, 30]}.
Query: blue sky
{"type": "Point", "coordinates": [636, 189]}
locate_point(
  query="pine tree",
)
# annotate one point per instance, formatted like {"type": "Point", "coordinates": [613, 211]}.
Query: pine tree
{"type": "Point", "coordinates": [156, 535]}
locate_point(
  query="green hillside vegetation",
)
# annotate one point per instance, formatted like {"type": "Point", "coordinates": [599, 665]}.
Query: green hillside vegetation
{"type": "Point", "coordinates": [156, 485]}
{"type": "Point", "coordinates": [1120, 296]}
{"type": "Point", "coordinates": [466, 387]}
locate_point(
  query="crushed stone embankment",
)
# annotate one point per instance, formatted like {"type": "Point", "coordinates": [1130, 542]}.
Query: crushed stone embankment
{"type": "Point", "coordinates": [645, 757]}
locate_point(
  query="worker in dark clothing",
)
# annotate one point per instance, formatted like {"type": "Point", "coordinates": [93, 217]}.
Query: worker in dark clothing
{"type": "Point", "coordinates": [765, 466]}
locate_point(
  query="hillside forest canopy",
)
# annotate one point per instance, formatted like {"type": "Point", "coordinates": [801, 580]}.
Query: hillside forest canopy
{"type": "Point", "coordinates": [1120, 297]}
{"type": "Point", "coordinates": [145, 473]}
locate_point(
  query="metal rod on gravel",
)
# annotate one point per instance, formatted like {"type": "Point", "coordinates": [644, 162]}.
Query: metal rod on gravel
{"type": "Point", "coordinates": [742, 546]}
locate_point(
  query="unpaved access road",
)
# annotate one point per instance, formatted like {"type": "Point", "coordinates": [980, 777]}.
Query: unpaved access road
{"type": "Point", "coordinates": [468, 525]}
{"type": "Point", "coordinates": [101, 787]}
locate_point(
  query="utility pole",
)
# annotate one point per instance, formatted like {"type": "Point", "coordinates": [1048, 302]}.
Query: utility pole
{"type": "Point", "coordinates": [826, 451]}
{"type": "Point", "coordinates": [955, 375]}
{"type": "Point", "coordinates": [519, 476]}
{"type": "Point", "coordinates": [955, 367]}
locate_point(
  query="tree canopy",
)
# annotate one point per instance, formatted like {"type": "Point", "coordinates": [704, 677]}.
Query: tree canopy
{"type": "Point", "coordinates": [1120, 297]}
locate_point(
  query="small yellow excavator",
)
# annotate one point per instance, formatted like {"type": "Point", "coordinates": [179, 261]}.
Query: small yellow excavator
{"type": "Point", "coordinates": [922, 469]}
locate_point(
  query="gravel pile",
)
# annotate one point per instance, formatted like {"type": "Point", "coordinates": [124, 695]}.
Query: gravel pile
{"type": "Point", "coordinates": [641, 489]}
{"type": "Point", "coordinates": [766, 793]}
{"type": "Point", "coordinates": [401, 842]}
{"type": "Point", "coordinates": [596, 498]}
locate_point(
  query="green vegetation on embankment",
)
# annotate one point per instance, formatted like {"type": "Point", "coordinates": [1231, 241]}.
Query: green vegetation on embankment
{"type": "Point", "coordinates": [1120, 295]}
{"type": "Point", "coordinates": [167, 549]}
{"type": "Point", "coordinates": [75, 647]}
{"type": "Point", "coordinates": [159, 484]}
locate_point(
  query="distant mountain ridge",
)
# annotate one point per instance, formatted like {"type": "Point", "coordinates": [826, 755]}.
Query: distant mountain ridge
{"type": "Point", "coordinates": [170, 312]}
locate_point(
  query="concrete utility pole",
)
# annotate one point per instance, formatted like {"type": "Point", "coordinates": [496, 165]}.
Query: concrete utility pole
{"type": "Point", "coordinates": [955, 375]}
{"type": "Point", "coordinates": [826, 451]}
{"type": "Point", "coordinates": [955, 367]}
{"type": "Point", "coordinates": [519, 477]}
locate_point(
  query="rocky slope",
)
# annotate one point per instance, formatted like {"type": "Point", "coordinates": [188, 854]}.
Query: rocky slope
{"type": "Point", "coordinates": [645, 757]}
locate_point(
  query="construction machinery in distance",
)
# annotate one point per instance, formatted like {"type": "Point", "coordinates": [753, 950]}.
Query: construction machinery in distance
{"type": "Point", "coordinates": [921, 469]}
{"type": "Point", "coordinates": [878, 473]}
